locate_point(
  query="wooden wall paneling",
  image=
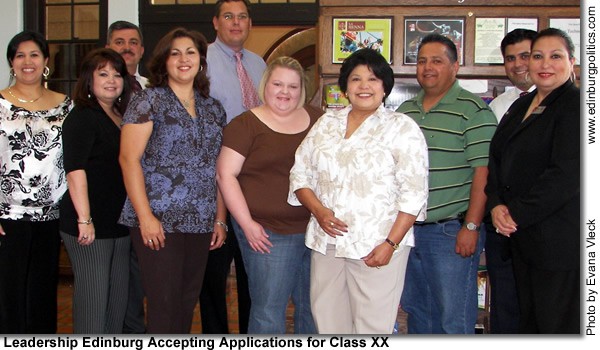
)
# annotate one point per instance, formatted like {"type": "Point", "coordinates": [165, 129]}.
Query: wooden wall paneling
{"type": "Point", "coordinates": [400, 13]}
{"type": "Point", "coordinates": [543, 10]}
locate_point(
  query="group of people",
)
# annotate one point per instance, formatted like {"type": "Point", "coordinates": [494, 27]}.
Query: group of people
{"type": "Point", "coordinates": [157, 185]}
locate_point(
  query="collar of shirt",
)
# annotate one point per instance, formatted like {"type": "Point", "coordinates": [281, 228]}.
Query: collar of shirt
{"type": "Point", "coordinates": [449, 98]}
{"type": "Point", "coordinates": [229, 52]}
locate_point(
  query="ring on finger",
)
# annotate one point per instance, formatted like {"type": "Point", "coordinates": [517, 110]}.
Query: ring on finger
{"type": "Point", "coordinates": [331, 223]}
{"type": "Point", "coordinates": [149, 241]}
{"type": "Point", "coordinates": [497, 230]}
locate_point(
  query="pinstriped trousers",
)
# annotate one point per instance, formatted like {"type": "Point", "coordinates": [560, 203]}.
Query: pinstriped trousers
{"type": "Point", "coordinates": [101, 284]}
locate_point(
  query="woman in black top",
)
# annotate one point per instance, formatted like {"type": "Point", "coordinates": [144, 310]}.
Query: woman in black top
{"type": "Point", "coordinates": [98, 247]}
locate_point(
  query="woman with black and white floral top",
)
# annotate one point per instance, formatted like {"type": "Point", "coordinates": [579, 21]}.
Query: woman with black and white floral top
{"type": "Point", "coordinates": [32, 183]}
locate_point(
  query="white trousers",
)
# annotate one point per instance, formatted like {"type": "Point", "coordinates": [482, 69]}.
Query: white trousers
{"type": "Point", "coordinates": [349, 297]}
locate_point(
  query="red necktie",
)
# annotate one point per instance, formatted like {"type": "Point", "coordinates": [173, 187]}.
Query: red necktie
{"type": "Point", "coordinates": [249, 95]}
{"type": "Point", "coordinates": [135, 85]}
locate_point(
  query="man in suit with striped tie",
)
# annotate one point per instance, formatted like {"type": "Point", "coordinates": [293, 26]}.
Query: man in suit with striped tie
{"type": "Point", "coordinates": [504, 307]}
{"type": "Point", "coordinates": [126, 38]}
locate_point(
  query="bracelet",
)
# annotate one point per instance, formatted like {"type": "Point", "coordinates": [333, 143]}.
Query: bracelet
{"type": "Point", "coordinates": [394, 245]}
{"type": "Point", "coordinates": [221, 223]}
{"type": "Point", "coordinates": [86, 222]}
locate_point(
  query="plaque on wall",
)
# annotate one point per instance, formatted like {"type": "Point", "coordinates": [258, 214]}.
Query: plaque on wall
{"type": "Point", "coordinates": [351, 34]}
{"type": "Point", "coordinates": [489, 33]}
{"type": "Point", "coordinates": [571, 26]}
{"type": "Point", "coordinates": [416, 29]}
{"type": "Point", "coordinates": [523, 23]}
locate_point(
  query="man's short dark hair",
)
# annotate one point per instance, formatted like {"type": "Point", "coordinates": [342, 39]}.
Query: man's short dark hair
{"type": "Point", "coordinates": [120, 25]}
{"type": "Point", "coordinates": [438, 38]}
{"type": "Point", "coordinates": [516, 36]}
{"type": "Point", "coordinates": [219, 4]}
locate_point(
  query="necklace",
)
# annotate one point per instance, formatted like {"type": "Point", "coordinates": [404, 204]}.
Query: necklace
{"type": "Point", "coordinates": [185, 103]}
{"type": "Point", "coordinates": [25, 101]}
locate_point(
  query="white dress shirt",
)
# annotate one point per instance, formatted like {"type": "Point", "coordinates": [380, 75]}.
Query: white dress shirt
{"type": "Point", "coordinates": [502, 102]}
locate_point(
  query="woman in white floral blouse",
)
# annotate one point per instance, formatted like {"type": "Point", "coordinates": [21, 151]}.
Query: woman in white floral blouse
{"type": "Point", "coordinates": [33, 181]}
{"type": "Point", "coordinates": [362, 173]}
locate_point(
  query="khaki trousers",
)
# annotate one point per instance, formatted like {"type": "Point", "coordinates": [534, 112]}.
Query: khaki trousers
{"type": "Point", "coordinates": [348, 297]}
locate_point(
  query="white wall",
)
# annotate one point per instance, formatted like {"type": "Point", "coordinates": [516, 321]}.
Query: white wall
{"type": "Point", "coordinates": [11, 22]}
{"type": "Point", "coordinates": [123, 10]}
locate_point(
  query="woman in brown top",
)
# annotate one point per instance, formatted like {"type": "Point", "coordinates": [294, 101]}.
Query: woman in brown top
{"type": "Point", "coordinates": [253, 175]}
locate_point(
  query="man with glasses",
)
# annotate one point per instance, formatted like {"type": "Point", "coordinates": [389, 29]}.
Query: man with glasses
{"type": "Point", "coordinates": [232, 23]}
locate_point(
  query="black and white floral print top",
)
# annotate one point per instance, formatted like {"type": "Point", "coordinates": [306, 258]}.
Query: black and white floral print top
{"type": "Point", "coordinates": [31, 166]}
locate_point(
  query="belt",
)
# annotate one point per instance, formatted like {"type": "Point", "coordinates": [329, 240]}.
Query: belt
{"type": "Point", "coordinates": [422, 223]}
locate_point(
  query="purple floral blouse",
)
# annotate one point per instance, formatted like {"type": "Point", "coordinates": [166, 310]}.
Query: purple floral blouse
{"type": "Point", "coordinates": [179, 163]}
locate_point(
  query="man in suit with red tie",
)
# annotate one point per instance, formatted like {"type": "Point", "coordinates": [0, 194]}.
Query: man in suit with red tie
{"type": "Point", "coordinates": [126, 38]}
{"type": "Point", "coordinates": [504, 309]}
{"type": "Point", "coordinates": [515, 48]}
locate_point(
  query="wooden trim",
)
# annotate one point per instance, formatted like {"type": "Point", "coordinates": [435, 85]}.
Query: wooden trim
{"type": "Point", "coordinates": [262, 14]}
{"type": "Point", "coordinates": [458, 3]}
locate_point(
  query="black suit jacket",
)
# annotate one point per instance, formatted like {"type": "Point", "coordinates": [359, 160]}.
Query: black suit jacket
{"type": "Point", "coordinates": [534, 169]}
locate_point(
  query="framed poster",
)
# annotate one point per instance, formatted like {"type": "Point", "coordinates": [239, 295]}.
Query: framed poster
{"type": "Point", "coordinates": [416, 29]}
{"type": "Point", "coordinates": [351, 34]}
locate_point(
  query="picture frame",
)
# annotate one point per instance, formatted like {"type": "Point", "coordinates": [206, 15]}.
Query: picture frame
{"type": "Point", "coordinates": [489, 32]}
{"type": "Point", "coordinates": [415, 29]}
{"type": "Point", "coordinates": [353, 33]}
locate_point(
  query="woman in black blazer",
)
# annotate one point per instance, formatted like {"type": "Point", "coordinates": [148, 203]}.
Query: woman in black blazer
{"type": "Point", "coordinates": [533, 188]}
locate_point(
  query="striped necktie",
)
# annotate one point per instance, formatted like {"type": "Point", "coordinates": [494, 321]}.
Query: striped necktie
{"type": "Point", "coordinates": [249, 95]}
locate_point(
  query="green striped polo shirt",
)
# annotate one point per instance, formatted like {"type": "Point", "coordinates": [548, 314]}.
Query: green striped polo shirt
{"type": "Point", "coordinates": [458, 131]}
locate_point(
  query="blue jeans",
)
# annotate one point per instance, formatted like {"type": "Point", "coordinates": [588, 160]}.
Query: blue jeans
{"type": "Point", "coordinates": [440, 290]}
{"type": "Point", "coordinates": [274, 278]}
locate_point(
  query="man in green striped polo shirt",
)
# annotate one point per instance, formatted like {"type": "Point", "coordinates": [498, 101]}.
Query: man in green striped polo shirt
{"type": "Point", "coordinates": [440, 292]}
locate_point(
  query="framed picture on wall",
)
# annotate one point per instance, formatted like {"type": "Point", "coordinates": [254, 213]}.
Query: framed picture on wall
{"type": "Point", "coordinates": [415, 29]}
{"type": "Point", "coordinates": [351, 34]}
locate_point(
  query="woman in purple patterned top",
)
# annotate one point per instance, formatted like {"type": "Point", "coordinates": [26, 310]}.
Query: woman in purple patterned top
{"type": "Point", "coordinates": [169, 145]}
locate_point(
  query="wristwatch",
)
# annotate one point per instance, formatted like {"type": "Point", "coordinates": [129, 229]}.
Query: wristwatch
{"type": "Point", "coordinates": [471, 226]}
{"type": "Point", "coordinates": [394, 245]}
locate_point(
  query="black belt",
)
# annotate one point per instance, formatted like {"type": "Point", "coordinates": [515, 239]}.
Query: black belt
{"type": "Point", "coordinates": [422, 223]}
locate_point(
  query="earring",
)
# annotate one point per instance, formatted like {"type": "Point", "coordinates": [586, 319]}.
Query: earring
{"type": "Point", "coordinates": [119, 99]}
{"type": "Point", "coordinates": [46, 72]}
{"type": "Point", "coordinates": [89, 96]}
{"type": "Point", "coordinates": [12, 72]}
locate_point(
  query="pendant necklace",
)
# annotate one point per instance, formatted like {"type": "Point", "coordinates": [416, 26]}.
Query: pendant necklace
{"type": "Point", "coordinates": [25, 101]}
